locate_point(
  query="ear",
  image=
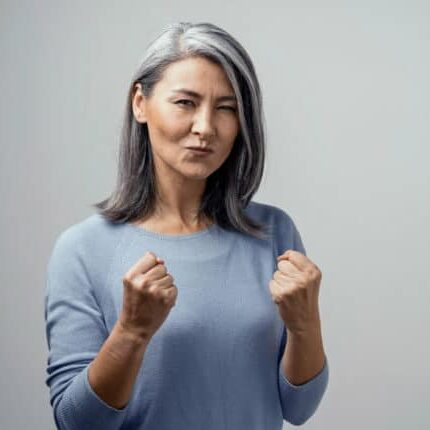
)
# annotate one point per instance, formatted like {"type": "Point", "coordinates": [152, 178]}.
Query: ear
{"type": "Point", "coordinates": [139, 104]}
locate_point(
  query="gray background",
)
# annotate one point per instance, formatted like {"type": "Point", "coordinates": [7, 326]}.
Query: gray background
{"type": "Point", "coordinates": [346, 93]}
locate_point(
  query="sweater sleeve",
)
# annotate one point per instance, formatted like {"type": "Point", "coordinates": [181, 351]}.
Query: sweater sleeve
{"type": "Point", "coordinates": [75, 332]}
{"type": "Point", "coordinates": [298, 402]}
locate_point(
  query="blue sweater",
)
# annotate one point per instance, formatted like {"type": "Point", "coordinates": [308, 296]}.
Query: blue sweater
{"type": "Point", "coordinates": [213, 364]}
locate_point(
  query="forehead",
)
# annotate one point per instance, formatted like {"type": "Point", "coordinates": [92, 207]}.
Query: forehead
{"type": "Point", "coordinates": [196, 73]}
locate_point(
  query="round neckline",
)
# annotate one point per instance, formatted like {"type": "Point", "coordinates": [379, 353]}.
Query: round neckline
{"type": "Point", "coordinates": [145, 232]}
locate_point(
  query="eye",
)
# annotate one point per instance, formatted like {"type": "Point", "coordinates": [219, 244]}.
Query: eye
{"type": "Point", "coordinates": [230, 108]}
{"type": "Point", "coordinates": [184, 102]}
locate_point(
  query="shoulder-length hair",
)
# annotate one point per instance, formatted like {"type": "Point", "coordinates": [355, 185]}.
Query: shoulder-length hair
{"type": "Point", "coordinates": [230, 188]}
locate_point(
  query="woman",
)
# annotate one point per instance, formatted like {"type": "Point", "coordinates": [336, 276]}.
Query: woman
{"type": "Point", "coordinates": [172, 306]}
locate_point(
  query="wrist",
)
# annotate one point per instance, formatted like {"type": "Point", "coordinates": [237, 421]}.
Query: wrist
{"type": "Point", "coordinates": [136, 339]}
{"type": "Point", "coordinates": [313, 328]}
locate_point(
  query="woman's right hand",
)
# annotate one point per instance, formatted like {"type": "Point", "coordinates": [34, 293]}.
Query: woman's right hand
{"type": "Point", "coordinates": [149, 294]}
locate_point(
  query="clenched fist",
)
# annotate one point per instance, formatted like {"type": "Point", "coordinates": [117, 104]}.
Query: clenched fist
{"type": "Point", "coordinates": [149, 294]}
{"type": "Point", "coordinates": [295, 288]}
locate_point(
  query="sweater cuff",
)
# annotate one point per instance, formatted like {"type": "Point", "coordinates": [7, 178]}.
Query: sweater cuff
{"type": "Point", "coordinates": [299, 402]}
{"type": "Point", "coordinates": [316, 380]}
{"type": "Point", "coordinates": [81, 407]}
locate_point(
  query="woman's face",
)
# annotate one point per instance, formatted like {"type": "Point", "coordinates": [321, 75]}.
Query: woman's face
{"type": "Point", "coordinates": [178, 119]}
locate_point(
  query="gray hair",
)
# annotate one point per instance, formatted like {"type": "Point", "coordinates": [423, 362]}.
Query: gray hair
{"type": "Point", "coordinates": [230, 188]}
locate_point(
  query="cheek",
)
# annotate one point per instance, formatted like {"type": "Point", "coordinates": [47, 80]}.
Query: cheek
{"type": "Point", "coordinates": [168, 130]}
{"type": "Point", "coordinates": [229, 134]}
{"type": "Point", "coordinates": [231, 129]}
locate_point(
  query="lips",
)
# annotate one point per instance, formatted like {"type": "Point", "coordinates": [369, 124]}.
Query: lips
{"type": "Point", "coordinates": [195, 148]}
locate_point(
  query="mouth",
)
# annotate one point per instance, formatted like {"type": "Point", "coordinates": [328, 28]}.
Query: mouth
{"type": "Point", "coordinates": [200, 150]}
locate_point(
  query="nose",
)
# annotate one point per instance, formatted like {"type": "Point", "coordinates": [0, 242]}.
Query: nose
{"type": "Point", "coordinates": [203, 123]}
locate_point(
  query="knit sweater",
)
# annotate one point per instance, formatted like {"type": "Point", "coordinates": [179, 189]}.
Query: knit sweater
{"type": "Point", "coordinates": [213, 364]}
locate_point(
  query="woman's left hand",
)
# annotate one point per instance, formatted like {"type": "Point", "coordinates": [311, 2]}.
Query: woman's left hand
{"type": "Point", "coordinates": [295, 288]}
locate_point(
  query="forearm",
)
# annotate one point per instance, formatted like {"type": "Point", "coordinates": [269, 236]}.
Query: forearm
{"type": "Point", "coordinates": [303, 356]}
{"type": "Point", "coordinates": [113, 372]}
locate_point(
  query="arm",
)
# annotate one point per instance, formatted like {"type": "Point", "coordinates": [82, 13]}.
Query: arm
{"type": "Point", "coordinates": [90, 372]}
{"type": "Point", "coordinates": [304, 356]}
{"type": "Point", "coordinates": [301, 395]}
{"type": "Point", "coordinates": [303, 370]}
{"type": "Point", "coordinates": [113, 372]}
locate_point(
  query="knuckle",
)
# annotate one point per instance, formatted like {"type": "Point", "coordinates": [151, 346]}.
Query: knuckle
{"type": "Point", "coordinates": [174, 294]}
{"type": "Point", "coordinates": [309, 271]}
{"type": "Point", "coordinates": [143, 283]}
{"type": "Point", "coordinates": [276, 298]}
{"type": "Point", "coordinates": [315, 274]}
{"type": "Point", "coordinates": [126, 280]}
{"type": "Point", "coordinates": [302, 283]}
{"type": "Point", "coordinates": [307, 274]}
{"type": "Point", "coordinates": [167, 297]}
{"type": "Point", "coordinates": [151, 256]}
{"type": "Point", "coordinates": [315, 270]}
{"type": "Point", "coordinates": [153, 290]}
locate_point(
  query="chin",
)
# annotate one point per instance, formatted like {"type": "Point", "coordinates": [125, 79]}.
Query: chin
{"type": "Point", "coordinates": [198, 175]}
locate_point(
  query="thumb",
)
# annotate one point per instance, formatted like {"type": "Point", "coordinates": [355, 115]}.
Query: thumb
{"type": "Point", "coordinates": [283, 256]}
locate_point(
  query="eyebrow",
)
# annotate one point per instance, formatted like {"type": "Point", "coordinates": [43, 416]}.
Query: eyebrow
{"type": "Point", "coordinates": [198, 96]}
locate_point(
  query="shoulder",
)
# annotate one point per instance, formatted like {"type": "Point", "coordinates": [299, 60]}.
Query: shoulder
{"type": "Point", "coordinates": [94, 231]}
{"type": "Point", "coordinates": [268, 214]}
{"type": "Point", "coordinates": [285, 234]}
{"type": "Point", "coordinates": [89, 244]}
